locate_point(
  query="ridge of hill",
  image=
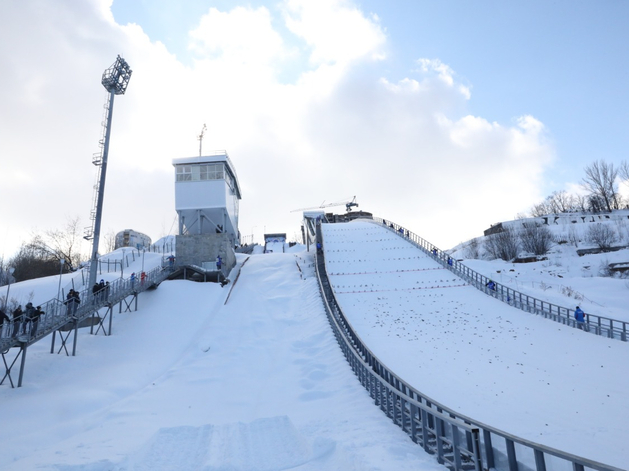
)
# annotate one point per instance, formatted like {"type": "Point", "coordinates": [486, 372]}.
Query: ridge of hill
{"type": "Point", "coordinates": [563, 276]}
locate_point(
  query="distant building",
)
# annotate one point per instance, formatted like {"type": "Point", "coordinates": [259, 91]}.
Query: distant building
{"type": "Point", "coordinates": [207, 198]}
{"type": "Point", "coordinates": [274, 243]}
{"type": "Point", "coordinates": [131, 238]}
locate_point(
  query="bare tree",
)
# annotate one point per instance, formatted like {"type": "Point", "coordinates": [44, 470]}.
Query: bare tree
{"type": "Point", "coordinates": [596, 204]}
{"type": "Point", "coordinates": [581, 203]}
{"type": "Point", "coordinates": [110, 241]}
{"type": "Point", "coordinates": [62, 244]}
{"type": "Point", "coordinates": [503, 245]}
{"type": "Point", "coordinates": [557, 202]}
{"type": "Point", "coordinates": [472, 249]}
{"type": "Point", "coordinates": [540, 209]}
{"type": "Point", "coordinates": [600, 181]}
{"type": "Point", "coordinates": [602, 235]}
{"type": "Point", "coordinates": [536, 239]}
{"type": "Point", "coordinates": [573, 236]}
{"type": "Point", "coordinates": [33, 262]}
{"type": "Point", "coordinates": [42, 255]}
{"type": "Point", "coordinates": [623, 171]}
{"type": "Point", "coordinates": [562, 202]}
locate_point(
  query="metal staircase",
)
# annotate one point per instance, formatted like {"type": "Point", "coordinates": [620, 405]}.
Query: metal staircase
{"type": "Point", "coordinates": [59, 318]}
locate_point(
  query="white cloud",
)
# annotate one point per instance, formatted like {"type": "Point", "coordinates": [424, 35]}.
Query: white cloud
{"type": "Point", "coordinates": [242, 35]}
{"type": "Point", "coordinates": [408, 149]}
{"type": "Point", "coordinates": [335, 30]}
{"type": "Point", "coordinates": [444, 73]}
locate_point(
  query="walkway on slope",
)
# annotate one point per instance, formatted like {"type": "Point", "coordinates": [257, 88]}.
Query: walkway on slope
{"type": "Point", "coordinates": [59, 317]}
{"type": "Point", "coordinates": [476, 354]}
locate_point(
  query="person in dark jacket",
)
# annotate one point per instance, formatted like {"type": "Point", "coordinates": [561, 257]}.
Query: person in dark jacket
{"type": "Point", "coordinates": [69, 302]}
{"type": "Point", "coordinates": [18, 316]}
{"type": "Point", "coordinates": [77, 300]}
{"type": "Point", "coordinates": [29, 315]}
{"type": "Point", "coordinates": [101, 290]}
{"type": "Point", "coordinates": [95, 290]}
{"type": "Point", "coordinates": [72, 301]}
{"type": "Point", "coordinates": [4, 318]}
{"type": "Point", "coordinates": [35, 320]}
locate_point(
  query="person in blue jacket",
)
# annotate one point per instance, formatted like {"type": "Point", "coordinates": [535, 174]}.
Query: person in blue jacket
{"type": "Point", "coordinates": [579, 315]}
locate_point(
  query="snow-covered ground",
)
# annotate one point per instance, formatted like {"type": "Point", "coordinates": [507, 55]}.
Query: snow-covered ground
{"type": "Point", "coordinates": [190, 383]}
{"type": "Point", "coordinates": [526, 375]}
{"type": "Point", "coordinates": [565, 278]}
{"type": "Point", "coordinates": [276, 247]}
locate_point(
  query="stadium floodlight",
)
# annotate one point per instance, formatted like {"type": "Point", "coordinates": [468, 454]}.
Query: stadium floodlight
{"type": "Point", "coordinates": [116, 78]}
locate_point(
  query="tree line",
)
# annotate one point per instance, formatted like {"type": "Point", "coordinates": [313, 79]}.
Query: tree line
{"type": "Point", "coordinates": [601, 185]}
{"type": "Point", "coordinates": [43, 254]}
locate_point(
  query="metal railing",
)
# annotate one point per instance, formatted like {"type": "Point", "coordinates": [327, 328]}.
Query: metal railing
{"type": "Point", "coordinates": [58, 314]}
{"type": "Point", "coordinates": [459, 442]}
{"type": "Point", "coordinates": [599, 325]}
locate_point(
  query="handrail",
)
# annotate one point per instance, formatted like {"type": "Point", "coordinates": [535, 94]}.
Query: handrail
{"type": "Point", "coordinates": [605, 326]}
{"type": "Point", "coordinates": [57, 314]}
{"type": "Point", "coordinates": [459, 442]}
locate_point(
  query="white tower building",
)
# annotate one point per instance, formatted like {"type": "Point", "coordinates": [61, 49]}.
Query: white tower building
{"type": "Point", "coordinates": [207, 196]}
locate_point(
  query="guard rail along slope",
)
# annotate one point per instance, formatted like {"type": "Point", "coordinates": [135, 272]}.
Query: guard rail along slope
{"type": "Point", "coordinates": [611, 328]}
{"type": "Point", "coordinates": [65, 318]}
{"type": "Point", "coordinates": [459, 442]}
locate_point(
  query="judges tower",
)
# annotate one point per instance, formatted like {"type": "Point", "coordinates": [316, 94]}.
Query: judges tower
{"type": "Point", "coordinates": [207, 197]}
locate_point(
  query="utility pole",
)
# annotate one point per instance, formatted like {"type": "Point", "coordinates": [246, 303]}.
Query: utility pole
{"type": "Point", "coordinates": [200, 138]}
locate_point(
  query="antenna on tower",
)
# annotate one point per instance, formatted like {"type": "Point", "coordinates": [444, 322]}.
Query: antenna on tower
{"type": "Point", "coordinates": [200, 138]}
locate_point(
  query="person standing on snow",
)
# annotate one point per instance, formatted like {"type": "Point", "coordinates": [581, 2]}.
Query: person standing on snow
{"type": "Point", "coordinates": [29, 315]}
{"type": "Point", "coordinates": [579, 315]}
{"type": "Point", "coordinates": [4, 318]}
{"type": "Point", "coordinates": [35, 320]}
{"type": "Point", "coordinates": [72, 301]}
{"type": "Point", "coordinates": [18, 317]}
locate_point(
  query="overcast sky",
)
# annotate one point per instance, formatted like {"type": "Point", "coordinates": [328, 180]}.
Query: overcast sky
{"type": "Point", "coordinates": [442, 116]}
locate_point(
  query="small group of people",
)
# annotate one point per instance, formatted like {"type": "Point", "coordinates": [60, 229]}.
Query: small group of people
{"type": "Point", "coordinates": [21, 321]}
{"type": "Point", "coordinates": [100, 291]}
{"type": "Point", "coordinates": [133, 278]}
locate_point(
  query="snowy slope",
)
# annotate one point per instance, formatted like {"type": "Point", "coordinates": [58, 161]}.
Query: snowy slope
{"type": "Point", "coordinates": [565, 278]}
{"type": "Point", "coordinates": [188, 383]}
{"type": "Point", "coordinates": [524, 374]}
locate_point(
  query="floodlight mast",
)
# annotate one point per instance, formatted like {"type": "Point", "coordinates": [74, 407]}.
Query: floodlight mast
{"type": "Point", "coordinates": [115, 80]}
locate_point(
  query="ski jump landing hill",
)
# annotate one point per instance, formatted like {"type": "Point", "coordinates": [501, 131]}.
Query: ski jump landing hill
{"type": "Point", "coordinates": [396, 303]}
